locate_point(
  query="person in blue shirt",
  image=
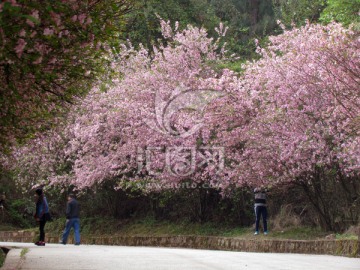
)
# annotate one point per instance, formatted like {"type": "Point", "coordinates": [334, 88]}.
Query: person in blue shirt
{"type": "Point", "coordinates": [41, 215]}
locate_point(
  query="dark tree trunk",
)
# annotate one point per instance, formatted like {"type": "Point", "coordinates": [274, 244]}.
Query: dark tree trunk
{"type": "Point", "coordinates": [254, 15]}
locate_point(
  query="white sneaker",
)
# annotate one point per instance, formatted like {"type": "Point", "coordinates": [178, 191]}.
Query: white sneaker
{"type": "Point", "coordinates": [256, 233]}
{"type": "Point", "coordinates": [265, 233]}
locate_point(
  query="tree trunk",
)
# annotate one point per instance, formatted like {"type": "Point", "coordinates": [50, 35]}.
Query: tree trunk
{"type": "Point", "coordinates": [254, 13]}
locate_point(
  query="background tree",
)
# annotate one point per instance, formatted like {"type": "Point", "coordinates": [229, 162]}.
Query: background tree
{"type": "Point", "coordinates": [296, 116]}
{"type": "Point", "coordinates": [343, 11]}
{"type": "Point", "coordinates": [298, 11]}
{"type": "Point", "coordinates": [143, 23]}
{"type": "Point", "coordinates": [51, 52]}
{"type": "Point", "coordinates": [114, 126]}
{"type": "Point", "coordinates": [246, 20]}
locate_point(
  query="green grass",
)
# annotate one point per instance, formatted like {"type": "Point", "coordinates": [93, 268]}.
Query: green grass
{"type": "Point", "coordinates": [300, 233]}
{"type": "Point", "coordinates": [99, 226]}
{"type": "Point", "coordinates": [8, 227]}
{"type": "Point", "coordinates": [346, 236]}
{"type": "Point", "coordinates": [24, 251]}
{"type": "Point", "coordinates": [2, 258]}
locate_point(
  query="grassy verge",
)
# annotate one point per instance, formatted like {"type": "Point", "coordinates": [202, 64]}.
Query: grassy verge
{"type": "Point", "coordinates": [150, 227]}
{"type": "Point", "coordinates": [2, 258]}
{"type": "Point", "coordinates": [8, 227]}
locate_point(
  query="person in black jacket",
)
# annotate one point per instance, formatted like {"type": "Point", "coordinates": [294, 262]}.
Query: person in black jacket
{"type": "Point", "coordinates": [72, 220]}
{"type": "Point", "coordinates": [41, 215]}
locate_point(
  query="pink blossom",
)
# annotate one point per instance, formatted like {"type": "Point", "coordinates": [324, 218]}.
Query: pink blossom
{"type": "Point", "coordinates": [88, 21]}
{"type": "Point", "coordinates": [30, 23]}
{"type": "Point", "coordinates": [82, 18]}
{"type": "Point", "coordinates": [166, 29]}
{"type": "Point", "coordinates": [56, 18]}
{"type": "Point", "coordinates": [35, 14]}
{"type": "Point", "coordinates": [20, 46]}
{"type": "Point", "coordinates": [52, 61]}
{"type": "Point", "coordinates": [22, 33]}
{"type": "Point", "coordinates": [38, 61]}
{"type": "Point", "coordinates": [48, 31]}
{"type": "Point", "coordinates": [14, 3]}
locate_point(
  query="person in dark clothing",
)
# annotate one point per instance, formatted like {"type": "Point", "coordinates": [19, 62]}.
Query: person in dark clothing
{"type": "Point", "coordinates": [72, 220]}
{"type": "Point", "coordinates": [41, 215]}
{"type": "Point", "coordinates": [260, 210]}
{"type": "Point", "coordinates": [2, 204]}
{"type": "Point", "coordinates": [2, 201]}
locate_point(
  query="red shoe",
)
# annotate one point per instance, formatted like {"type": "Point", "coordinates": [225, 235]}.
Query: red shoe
{"type": "Point", "coordinates": [40, 243]}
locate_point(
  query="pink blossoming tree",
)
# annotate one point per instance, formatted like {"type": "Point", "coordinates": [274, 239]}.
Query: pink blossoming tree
{"type": "Point", "coordinates": [291, 117]}
{"type": "Point", "coordinates": [296, 118]}
{"type": "Point", "coordinates": [51, 52]}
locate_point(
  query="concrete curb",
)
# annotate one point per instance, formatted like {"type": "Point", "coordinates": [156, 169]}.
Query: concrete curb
{"type": "Point", "coordinates": [13, 260]}
{"type": "Point", "coordinates": [348, 248]}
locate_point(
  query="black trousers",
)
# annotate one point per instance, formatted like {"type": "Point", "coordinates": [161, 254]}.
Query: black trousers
{"type": "Point", "coordinates": [261, 211]}
{"type": "Point", "coordinates": [42, 231]}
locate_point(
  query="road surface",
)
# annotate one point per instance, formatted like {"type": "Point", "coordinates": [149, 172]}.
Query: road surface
{"type": "Point", "coordinates": [58, 257]}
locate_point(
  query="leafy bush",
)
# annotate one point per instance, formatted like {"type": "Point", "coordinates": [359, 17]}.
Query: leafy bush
{"type": "Point", "coordinates": [20, 213]}
{"type": "Point", "coordinates": [2, 257]}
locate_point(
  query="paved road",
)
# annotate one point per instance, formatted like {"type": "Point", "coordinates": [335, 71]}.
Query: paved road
{"type": "Point", "coordinates": [56, 257]}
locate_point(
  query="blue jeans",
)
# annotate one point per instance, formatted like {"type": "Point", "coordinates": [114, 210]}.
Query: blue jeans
{"type": "Point", "coordinates": [260, 211]}
{"type": "Point", "coordinates": [72, 223]}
